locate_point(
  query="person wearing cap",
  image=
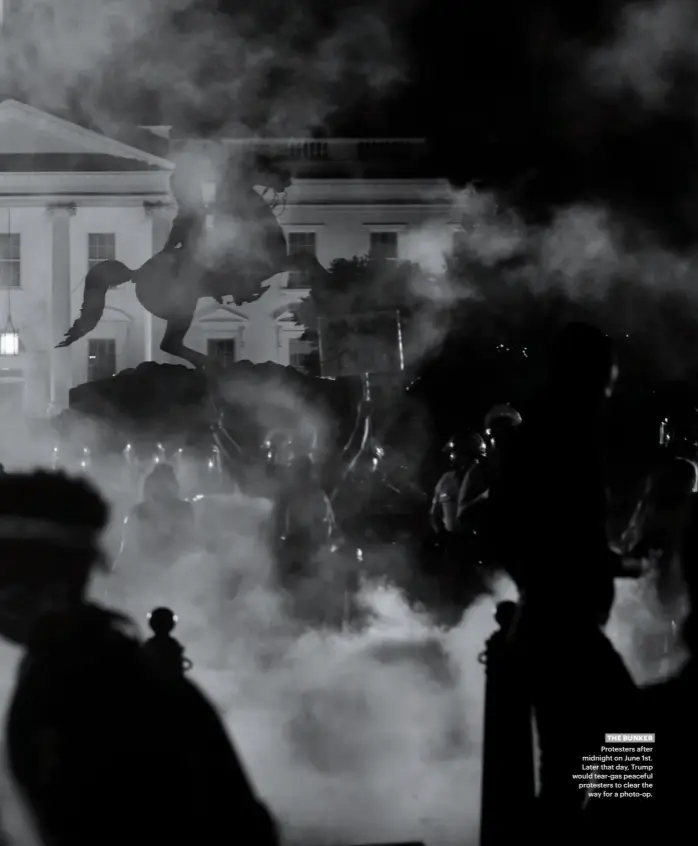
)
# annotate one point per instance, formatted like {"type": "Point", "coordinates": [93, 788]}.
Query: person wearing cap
{"type": "Point", "coordinates": [464, 452]}
{"type": "Point", "coordinates": [100, 749]}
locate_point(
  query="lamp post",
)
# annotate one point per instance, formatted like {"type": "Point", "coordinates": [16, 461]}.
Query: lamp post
{"type": "Point", "coordinates": [9, 337]}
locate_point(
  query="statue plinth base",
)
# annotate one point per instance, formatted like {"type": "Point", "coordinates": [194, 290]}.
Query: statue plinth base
{"type": "Point", "coordinates": [166, 400]}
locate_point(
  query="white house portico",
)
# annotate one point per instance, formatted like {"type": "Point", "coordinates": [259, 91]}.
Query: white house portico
{"type": "Point", "coordinates": [71, 197]}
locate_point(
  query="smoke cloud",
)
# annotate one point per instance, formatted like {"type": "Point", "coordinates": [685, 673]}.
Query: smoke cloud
{"type": "Point", "coordinates": [351, 737]}
{"type": "Point", "coordinates": [652, 47]}
{"type": "Point", "coordinates": [505, 275]}
{"type": "Point", "coordinates": [372, 734]}
{"type": "Point", "coordinates": [270, 68]}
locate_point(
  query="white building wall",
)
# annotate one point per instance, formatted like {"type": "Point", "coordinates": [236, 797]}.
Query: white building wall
{"type": "Point", "coordinates": [30, 304]}
{"type": "Point", "coordinates": [135, 207]}
{"type": "Point", "coordinates": [124, 319]}
{"type": "Point", "coordinates": [262, 330]}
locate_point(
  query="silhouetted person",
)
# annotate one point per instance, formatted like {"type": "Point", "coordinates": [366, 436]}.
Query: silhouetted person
{"type": "Point", "coordinates": [657, 527]}
{"type": "Point", "coordinates": [306, 519]}
{"type": "Point", "coordinates": [164, 651]}
{"type": "Point", "coordinates": [501, 426]}
{"type": "Point", "coordinates": [464, 452]}
{"type": "Point", "coordinates": [101, 748]}
{"type": "Point", "coordinates": [454, 556]}
{"type": "Point", "coordinates": [661, 513]}
{"type": "Point", "coordinates": [551, 504]}
{"type": "Point", "coordinates": [162, 526]}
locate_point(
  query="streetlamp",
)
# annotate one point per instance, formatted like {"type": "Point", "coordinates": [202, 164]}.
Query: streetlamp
{"type": "Point", "coordinates": [9, 337]}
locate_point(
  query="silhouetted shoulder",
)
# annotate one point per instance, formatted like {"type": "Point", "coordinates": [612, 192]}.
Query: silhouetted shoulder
{"type": "Point", "coordinates": [100, 743]}
{"type": "Point", "coordinates": [221, 779]}
{"type": "Point", "coordinates": [82, 723]}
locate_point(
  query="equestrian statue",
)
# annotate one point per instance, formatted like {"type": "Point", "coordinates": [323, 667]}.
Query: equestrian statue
{"type": "Point", "coordinates": [245, 247]}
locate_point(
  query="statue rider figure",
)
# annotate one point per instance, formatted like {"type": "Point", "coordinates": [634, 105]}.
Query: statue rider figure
{"type": "Point", "coordinates": [189, 225]}
{"type": "Point", "coordinates": [190, 220]}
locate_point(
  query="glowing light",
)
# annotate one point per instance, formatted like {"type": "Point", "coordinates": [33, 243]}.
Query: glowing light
{"type": "Point", "coordinates": [9, 340]}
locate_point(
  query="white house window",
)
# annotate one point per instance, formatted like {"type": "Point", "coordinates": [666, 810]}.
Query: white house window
{"type": "Point", "coordinates": [101, 246]}
{"type": "Point", "coordinates": [300, 243]}
{"type": "Point", "coordinates": [298, 352]}
{"type": "Point", "coordinates": [10, 268]}
{"type": "Point", "coordinates": [101, 358]}
{"type": "Point", "coordinates": [383, 245]}
{"type": "Point", "coordinates": [221, 350]}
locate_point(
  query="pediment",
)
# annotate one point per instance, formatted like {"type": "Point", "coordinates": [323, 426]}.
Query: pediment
{"type": "Point", "coordinates": [221, 314]}
{"type": "Point", "coordinates": [26, 132]}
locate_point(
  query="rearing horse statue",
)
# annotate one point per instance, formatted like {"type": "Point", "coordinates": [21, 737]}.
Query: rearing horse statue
{"type": "Point", "coordinates": [245, 248]}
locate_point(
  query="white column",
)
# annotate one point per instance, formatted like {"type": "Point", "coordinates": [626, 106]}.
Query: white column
{"type": "Point", "coordinates": [61, 366]}
{"type": "Point", "coordinates": [161, 215]}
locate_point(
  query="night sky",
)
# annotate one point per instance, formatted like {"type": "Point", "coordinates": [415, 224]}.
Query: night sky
{"type": "Point", "coordinates": [497, 88]}
{"type": "Point", "coordinates": [509, 92]}
{"type": "Point", "coordinates": [515, 101]}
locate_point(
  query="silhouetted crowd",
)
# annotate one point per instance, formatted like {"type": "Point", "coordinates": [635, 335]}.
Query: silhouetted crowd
{"type": "Point", "coordinates": [108, 742]}
{"type": "Point", "coordinates": [530, 499]}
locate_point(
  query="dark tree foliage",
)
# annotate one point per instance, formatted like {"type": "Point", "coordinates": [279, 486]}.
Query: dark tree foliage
{"type": "Point", "coordinates": [360, 285]}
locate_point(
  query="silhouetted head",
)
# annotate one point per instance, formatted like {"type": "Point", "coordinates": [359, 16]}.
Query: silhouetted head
{"type": "Point", "coordinates": [505, 613]}
{"type": "Point", "coordinates": [500, 422]}
{"type": "Point", "coordinates": [50, 535]}
{"type": "Point", "coordinates": [161, 483]}
{"type": "Point", "coordinates": [162, 621]}
{"type": "Point", "coordinates": [582, 362]}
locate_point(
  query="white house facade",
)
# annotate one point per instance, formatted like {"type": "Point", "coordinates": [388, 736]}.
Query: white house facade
{"type": "Point", "coordinates": [70, 197]}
